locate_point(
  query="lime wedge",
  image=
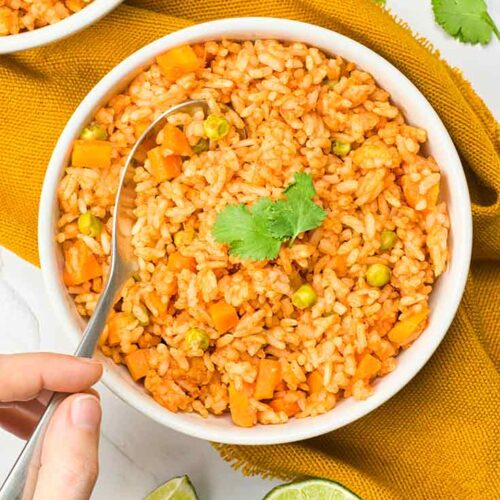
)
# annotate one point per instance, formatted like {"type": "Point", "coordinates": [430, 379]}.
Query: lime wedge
{"type": "Point", "coordinates": [178, 488]}
{"type": "Point", "coordinates": [311, 489]}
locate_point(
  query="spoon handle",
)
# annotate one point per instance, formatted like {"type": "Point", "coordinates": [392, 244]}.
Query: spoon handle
{"type": "Point", "coordinates": [21, 482]}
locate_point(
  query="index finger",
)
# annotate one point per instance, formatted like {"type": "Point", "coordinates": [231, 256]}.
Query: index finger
{"type": "Point", "coordinates": [23, 376]}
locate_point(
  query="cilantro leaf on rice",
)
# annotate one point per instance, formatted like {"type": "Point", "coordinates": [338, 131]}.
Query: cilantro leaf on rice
{"type": "Point", "coordinates": [298, 213]}
{"type": "Point", "coordinates": [246, 231]}
{"type": "Point", "coordinates": [256, 233]}
{"type": "Point", "coordinates": [301, 187]}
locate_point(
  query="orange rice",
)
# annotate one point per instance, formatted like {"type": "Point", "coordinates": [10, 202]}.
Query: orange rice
{"type": "Point", "coordinates": [294, 102]}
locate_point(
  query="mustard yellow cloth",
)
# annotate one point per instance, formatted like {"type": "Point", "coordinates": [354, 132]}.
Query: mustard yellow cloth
{"type": "Point", "coordinates": [438, 438]}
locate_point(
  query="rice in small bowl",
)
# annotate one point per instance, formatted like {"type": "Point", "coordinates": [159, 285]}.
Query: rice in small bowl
{"type": "Point", "coordinates": [301, 103]}
{"type": "Point", "coordinates": [28, 24]}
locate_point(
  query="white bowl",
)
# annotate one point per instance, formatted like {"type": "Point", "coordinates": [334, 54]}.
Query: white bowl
{"type": "Point", "coordinates": [53, 32]}
{"type": "Point", "coordinates": [447, 291]}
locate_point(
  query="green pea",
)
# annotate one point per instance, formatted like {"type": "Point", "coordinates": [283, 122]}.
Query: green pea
{"type": "Point", "coordinates": [95, 132]}
{"type": "Point", "coordinates": [215, 127]}
{"type": "Point", "coordinates": [378, 275]}
{"type": "Point", "coordinates": [304, 297]}
{"type": "Point", "coordinates": [387, 239]}
{"type": "Point", "coordinates": [201, 146]}
{"type": "Point", "coordinates": [196, 339]}
{"type": "Point", "coordinates": [89, 224]}
{"type": "Point", "coordinates": [341, 148]}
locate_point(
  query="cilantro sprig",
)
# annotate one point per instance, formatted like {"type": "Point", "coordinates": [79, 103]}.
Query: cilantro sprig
{"type": "Point", "coordinates": [466, 20]}
{"type": "Point", "coordinates": [298, 213]}
{"type": "Point", "coordinates": [247, 231]}
{"type": "Point", "coordinates": [257, 233]}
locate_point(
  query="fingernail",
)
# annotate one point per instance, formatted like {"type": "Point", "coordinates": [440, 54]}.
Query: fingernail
{"type": "Point", "coordinates": [86, 411]}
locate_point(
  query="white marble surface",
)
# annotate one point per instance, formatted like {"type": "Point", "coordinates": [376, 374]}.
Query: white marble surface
{"type": "Point", "coordinates": [136, 453]}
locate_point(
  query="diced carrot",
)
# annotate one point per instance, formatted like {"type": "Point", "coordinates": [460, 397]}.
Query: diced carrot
{"type": "Point", "coordinates": [413, 196]}
{"type": "Point", "coordinates": [408, 329]}
{"type": "Point", "coordinates": [339, 264]}
{"type": "Point", "coordinates": [80, 264]}
{"type": "Point", "coordinates": [268, 377]}
{"type": "Point", "coordinates": [137, 363]}
{"type": "Point", "coordinates": [155, 304]}
{"type": "Point", "coordinates": [224, 316]}
{"type": "Point", "coordinates": [368, 367]}
{"type": "Point", "coordinates": [178, 61]}
{"type": "Point", "coordinates": [177, 262]}
{"type": "Point", "coordinates": [291, 408]}
{"type": "Point", "coordinates": [175, 141]}
{"type": "Point", "coordinates": [139, 128]}
{"type": "Point", "coordinates": [91, 153]}
{"type": "Point", "coordinates": [117, 325]}
{"type": "Point", "coordinates": [162, 167]}
{"type": "Point", "coordinates": [315, 381]}
{"type": "Point", "coordinates": [239, 405]}
{"type": "Point", "coordinates": [280, 386]}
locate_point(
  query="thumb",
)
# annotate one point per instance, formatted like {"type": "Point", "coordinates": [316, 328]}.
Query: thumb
{"type": "Point", "coordinates": [69, 460]}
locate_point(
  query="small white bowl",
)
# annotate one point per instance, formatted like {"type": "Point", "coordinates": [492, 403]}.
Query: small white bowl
{"type": "Point", "coordinates": [53, 32]}
{"type": "Point", "coordinates": [447, 291]}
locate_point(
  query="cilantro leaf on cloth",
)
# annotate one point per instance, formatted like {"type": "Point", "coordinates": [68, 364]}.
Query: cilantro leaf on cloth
{"type": "Point", "coordinates": [298, 213]}
{"type": "Point", "coordinates": [256, 233]}
{"type": "Point", "coordinates": [466, 20]}
{"type": "Point", "coordinates": [246, 231]}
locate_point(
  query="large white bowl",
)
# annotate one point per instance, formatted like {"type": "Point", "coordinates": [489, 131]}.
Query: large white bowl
{"type": "Point", "coordinates": [445, 297]}
{"type": "Point", "coordinates": [53, 32]}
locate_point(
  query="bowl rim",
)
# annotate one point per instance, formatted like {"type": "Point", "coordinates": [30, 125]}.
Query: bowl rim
{"type": "Point", "coordinates": [72, 24]}
{"type": "Point", "coordinates": [272, 28]}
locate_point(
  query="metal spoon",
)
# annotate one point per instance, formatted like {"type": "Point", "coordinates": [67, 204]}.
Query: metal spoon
{"type": "Point", "coordinates": [21, 481]}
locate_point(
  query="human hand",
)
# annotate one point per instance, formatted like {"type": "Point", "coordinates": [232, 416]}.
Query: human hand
{"type": "Point", "coordinates": [69, 458]}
